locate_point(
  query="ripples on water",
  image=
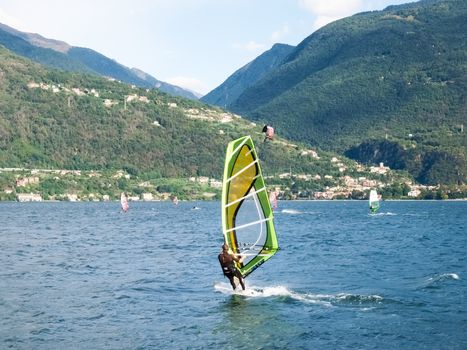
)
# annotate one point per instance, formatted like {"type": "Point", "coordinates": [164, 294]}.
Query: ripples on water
{"type": "Point", "coordinates": [84, 275]}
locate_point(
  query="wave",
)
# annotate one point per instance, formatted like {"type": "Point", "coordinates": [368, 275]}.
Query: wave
{"type": "Point", "coordinates": [276, 291]}
{"type": "Point", "coordinates": [297, 212]}
{"type": "Point", "coordinates": [291, 211]}
{"type": "Point", "coordinates": [328, 300]}
{"type": "Point", "coordinates": [388, 213]}
{"type": "Point", "coordinates": [436, 279]}
{"type": "Point", "coordinates": [359, 299]}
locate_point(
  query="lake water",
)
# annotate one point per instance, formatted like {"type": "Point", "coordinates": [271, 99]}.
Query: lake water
{"type": "Point", "coordinates": [85, 276]}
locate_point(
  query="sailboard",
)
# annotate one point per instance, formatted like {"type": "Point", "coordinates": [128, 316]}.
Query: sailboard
{"type": "Point", "coordinates": [373, 201]}
{"type": "Point", "coordinates": [247, 217]}
{"type": "Point", "coordinates": [124, 202]}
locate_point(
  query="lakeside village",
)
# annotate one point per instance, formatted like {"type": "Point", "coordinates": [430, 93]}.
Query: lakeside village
{"type": "Point", "coordinates": [35, 185]}
{"type": "Point", "coordinates": [337, 181]}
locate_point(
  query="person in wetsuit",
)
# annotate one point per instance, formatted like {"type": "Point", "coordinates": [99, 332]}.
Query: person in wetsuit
{"type": "Point", "coordinates": [229, 269]}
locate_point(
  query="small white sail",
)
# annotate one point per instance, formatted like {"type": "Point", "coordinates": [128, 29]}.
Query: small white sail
{"type": "Point", "coordinates": [273, 199]}
{"type": "Point", "coordinates": [124, 202]}
{"type": "Point", "coordinates": [373, 201]}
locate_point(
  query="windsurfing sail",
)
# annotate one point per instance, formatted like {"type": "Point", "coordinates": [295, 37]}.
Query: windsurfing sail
{"type": "Point", "coordinates": [273, 199]}
{"type": "Point", "coordinates": [247, 217]}
{"type": "Point", "coordinates": [373, 201]}
{"type": "Point", "coordinates": [124, 202]}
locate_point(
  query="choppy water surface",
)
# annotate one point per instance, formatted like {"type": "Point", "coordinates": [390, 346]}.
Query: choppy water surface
{"type": "Point", "coordinates": [85, 276]}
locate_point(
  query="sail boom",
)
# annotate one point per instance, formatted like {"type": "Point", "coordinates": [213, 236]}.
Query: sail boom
{"type": "Point", "coordinates": [262, 255]}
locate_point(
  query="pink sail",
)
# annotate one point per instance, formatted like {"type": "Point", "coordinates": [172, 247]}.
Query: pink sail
{"type": "Point", "coordinates": [273, 199]}
{"type": "Point", "coordinates": [124, 202]}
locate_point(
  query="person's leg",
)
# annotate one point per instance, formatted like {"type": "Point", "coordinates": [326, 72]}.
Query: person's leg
{"type": "Point", "coordinates": [240, 278]}
{"type": "Point", "coordinates": [232, 282]}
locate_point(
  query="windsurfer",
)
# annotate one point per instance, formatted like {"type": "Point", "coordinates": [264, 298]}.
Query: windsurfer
{"type": "Point", "coordinates": [227, 261]}
{"type": "Point", "coordinates": [269, 132]}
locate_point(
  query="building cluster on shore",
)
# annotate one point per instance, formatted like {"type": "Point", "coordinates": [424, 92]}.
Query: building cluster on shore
{"type": "Point", "coordinates": [26, 185]}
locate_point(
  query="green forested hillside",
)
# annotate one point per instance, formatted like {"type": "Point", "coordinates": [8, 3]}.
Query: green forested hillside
{"type": "Point", "coordinates": [247, 76]}
{"type": "Point", "coordinates": [398, 74]}
{"type": "Point", "coordinates": [143, 141]}
{"type": "Point", "coordinates": [46, 122]}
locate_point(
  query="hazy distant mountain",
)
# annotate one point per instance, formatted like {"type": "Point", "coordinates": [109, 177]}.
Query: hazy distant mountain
{"type": "Point", "coordinates": [399, 74]}
{"type": "Point", "coordinates": [58, 54]}
{"type": "Point", "coordinates": [248, 75]}
{"type": "Point", "coordinates": [37, 40]}
{"type": "Point", "coordinates": [170, 89]}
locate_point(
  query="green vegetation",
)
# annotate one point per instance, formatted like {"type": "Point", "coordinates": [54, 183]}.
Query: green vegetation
{"type": "Point", "coordinates": [398, 74]}
{"type": "Point", "coordinates": [429, 165]}
{"type": "Point", "coordinates": [47, 123]}
{"type": "Point", "coordinates": [116, 138]}
{"type": "Point", "coordinates": [226, 93]}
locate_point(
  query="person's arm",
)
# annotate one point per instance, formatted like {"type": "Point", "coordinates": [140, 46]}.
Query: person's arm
{"type": "Point", "coordinates": [238, 258]}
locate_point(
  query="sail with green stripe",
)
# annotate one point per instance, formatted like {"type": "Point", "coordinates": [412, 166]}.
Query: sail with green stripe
{"type": "Point", "coordinates": [247, 217]}
{"type": "Point", "coordinates": [373, 201]}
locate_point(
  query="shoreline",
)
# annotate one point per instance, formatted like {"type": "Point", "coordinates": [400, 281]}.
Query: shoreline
{"type": "Point", "coordinates": [213, 200]}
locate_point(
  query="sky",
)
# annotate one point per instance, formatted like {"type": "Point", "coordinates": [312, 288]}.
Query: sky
{"type": "Point", "coordinates": [194, 44]}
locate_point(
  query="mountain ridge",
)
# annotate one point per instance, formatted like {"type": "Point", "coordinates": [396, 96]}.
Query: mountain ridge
{"type": "Point", "coordinates": [247, 75]}
{"type": "Point", "coordinates": [374, 76]}
{"type": "Point", "coordinates": [58, 54]}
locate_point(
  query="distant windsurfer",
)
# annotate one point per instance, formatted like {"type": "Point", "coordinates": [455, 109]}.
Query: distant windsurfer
{"type": "Point", "coordinates": [269, 132]}
{"type": "Point", "coordinates": [227, 261]}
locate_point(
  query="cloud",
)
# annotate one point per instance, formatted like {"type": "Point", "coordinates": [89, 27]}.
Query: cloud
{"type": "Point", "coordinates": [191, 84]}
{"type": "Point", "coordinates": [5, 18]}
{"type": "Point", "coordinates": [251, 46]}
{"type": "Point", "coordinates": [332, 8]}
{"type": "Point", "coordinates": [326, 11]}
{"type": "Point", "coordinates": [280, 33]}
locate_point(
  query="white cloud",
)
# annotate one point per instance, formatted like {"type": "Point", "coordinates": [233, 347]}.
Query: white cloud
{"type": "Point", "coordinates": [332, 8]}
{"type": "Point", "coordinates": [192, 84]}
{"type": "Point", "coordinates": [251, 46]}
{"type": "Point", "coordinates": [10, 20]}
{"type": "Point", "coordinates": [321, 21]}
{"type": "Point", "coordinates": [279, 34]}
{"type": "Point", "coordinates": [327, 11]}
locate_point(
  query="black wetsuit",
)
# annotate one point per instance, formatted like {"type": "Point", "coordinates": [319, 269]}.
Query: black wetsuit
{"type": "Point", "coordinates": [229, 269]}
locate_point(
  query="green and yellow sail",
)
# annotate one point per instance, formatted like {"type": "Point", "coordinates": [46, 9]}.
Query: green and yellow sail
{"type": "Point", "coordinates": [247, 217]}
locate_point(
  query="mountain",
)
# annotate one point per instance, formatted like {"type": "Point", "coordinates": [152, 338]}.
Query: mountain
{"type": "Point", "coordinates": [397, 75]}
{"type": "Point", "coordinates": [55, 119]}
{"type": "Point", "coordinates": [58, 54]}
{"type": "Point", "coordinates": [168, 88]}
{"type": "Point", "coordinates": [247, 76]}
